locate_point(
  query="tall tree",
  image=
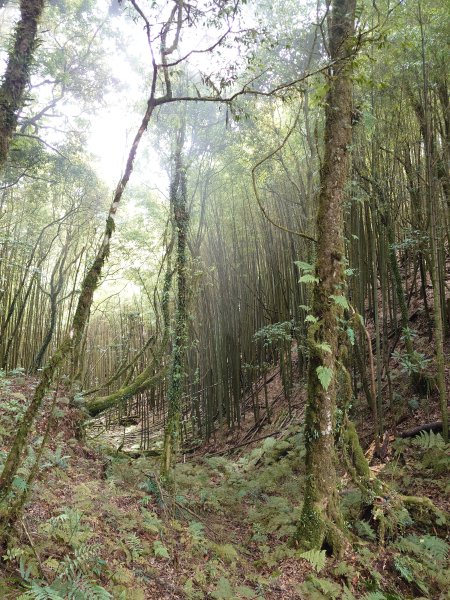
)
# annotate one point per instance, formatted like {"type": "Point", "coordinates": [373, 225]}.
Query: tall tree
{"type": "Point", "coordinates": [178, 202]}
{"type": "Point", "coordinates": [321, 517]}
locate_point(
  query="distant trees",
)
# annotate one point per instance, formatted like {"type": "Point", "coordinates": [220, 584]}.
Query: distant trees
{"type": "Point", "coordinates": [168, 41]}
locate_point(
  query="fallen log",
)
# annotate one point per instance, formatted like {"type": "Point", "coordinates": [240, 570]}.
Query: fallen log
{"type": "Point", "coordinates": [434, 427]}
{"type": "Point", "coordinates": [139, 453]}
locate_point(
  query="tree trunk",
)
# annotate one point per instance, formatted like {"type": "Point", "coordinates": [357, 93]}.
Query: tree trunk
{"type": "Point", "coordinates": [321, 519]}
{"type": "Point", "coordinates": [172, 434]}
{"type": "Point", "coordinates": [17, 72]}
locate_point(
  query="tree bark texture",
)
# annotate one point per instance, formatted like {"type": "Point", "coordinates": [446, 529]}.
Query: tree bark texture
{"type": "Point", "coordinates": [321, 518]}
{"type": "Point", "coordinates": [17, 72]}
{"type": "Point", "coordinates": [178, 198]}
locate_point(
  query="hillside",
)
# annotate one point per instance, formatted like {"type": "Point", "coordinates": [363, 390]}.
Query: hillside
{"type": "Point", "coordinates": [100, 518]}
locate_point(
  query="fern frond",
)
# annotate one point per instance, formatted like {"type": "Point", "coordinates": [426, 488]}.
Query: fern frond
{"type": "Point", "coordinates": [374, 596]}
{"type": "Point", "coordinates": [365, 530]}
{"type": "Point", "coordinates": [427, 547]}
{"type": "Point", "coordinates": [429, 439]}
{"type": "Point", "coordinates": [38, 592]}
{"type": "Point", "coordinates": [316, 558]}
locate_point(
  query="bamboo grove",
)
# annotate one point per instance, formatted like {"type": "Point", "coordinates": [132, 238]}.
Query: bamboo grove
{"type": "Point", "coordinates": [224, 263]}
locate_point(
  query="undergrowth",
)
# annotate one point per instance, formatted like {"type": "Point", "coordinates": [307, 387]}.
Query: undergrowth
{"type": "Point", "coordinates": [104, 527]}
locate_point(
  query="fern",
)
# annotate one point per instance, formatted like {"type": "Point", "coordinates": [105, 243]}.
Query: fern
{"type": "Point", "coordinates": [83, 589]}
{"type": "Point", "coordinates": [85, 559]}
{"type": "Point", "coordinates": [403, 569]}
{"type": "Point", "coordinates": [151, 487]}
{"type": "Point", "coordinates": [226, 552]}
{"type": "Point", "coordinates": [77, 589]}
{"type": "Point", "coordinates": [365, 530]}
{"type": "Point", "coordinates": [347, 594]}
{"type": "Point", "coordinates": [429, 439]}
{"type": "Point", "coordinates": [159, 550]}
{"type": "Point", "coordinates": [223, 591]}
{"type": "Point", "coordinates": [314, 589]}
{"type": "Point", "coordinates": [196, 530]}
{"type": "Point", "coordinates": [316, 558]}
{"type": "Point", "coordinates": [38, 592]}
{"type": "Point", "coordinates": [57, 459]}
{"type": "Point", "coordinates": [328, 588]}
{"type": "Point", "coordinates": [151, 522]}
{"type": "Point", "coordinates": [134, 545]}
{"type": "Point", "coordinates": [427, 547]}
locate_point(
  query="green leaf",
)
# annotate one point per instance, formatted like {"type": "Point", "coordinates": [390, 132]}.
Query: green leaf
{"type": "Point", "coordinates": [365, 530]}
{"type": "Point", "coordinates": [310, 319]}
{"type": "Point", "coordinates": [19, 484]}
{"type": "Point", "coordinates": [305, 307]}
{"type": "Point", "coordinates": [351, 335]}
{"type": "Point", "coordinates": [340, 301]}
{"type": "Point", "coordinates": [403, 569]}
{"type": "Point", "coordinates": [324, 347]}
{"type": "Point", "coordinates": [316, 558]}
{"type": "Point", "coordinates": [160, 550]}
{"type": "Point", "coordinates": [245, 592]}
{"type": "Point", "coordinates": [307, 278]}
{"type": "Point", "coordinates": [347, 595]}
{"type": "Point", "coordinates": [223, 591]}
{"type": "Point", "coordinates": [427, 440]}
{"type": "Point", "coordinates": [303, 266]}
{"type": "Point", "coordinates": [325, 375]}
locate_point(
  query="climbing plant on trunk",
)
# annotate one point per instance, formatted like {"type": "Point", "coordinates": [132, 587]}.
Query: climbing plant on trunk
{"type": "Point", "coordinates": [321, 519]}
{"type": "Point", "coordinates": [178, 202]}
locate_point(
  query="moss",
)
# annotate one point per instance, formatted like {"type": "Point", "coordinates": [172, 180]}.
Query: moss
{"type": "Point", "coordinates": [178, 198]}
{"type": "Point", "coordinates": [16, 76]}
{"type": "Point", "coordinates": [311, 529]}
{"type": "Point", "coordinates": [359, 460]}
{"type": "Point", "coordinates": [110, 226]}
{"type": "Point", "coordinates": [143, 382]}
{"type": "Point", "coordinates": [316, 531]}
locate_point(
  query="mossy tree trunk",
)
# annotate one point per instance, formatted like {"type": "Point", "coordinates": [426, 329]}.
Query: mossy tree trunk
{"type": "Point", "coordinates": [178, 201]}
{"type": "Point", "coordinates": [321, 520]}
{"type": "Point", "coordinates": [17, 74]}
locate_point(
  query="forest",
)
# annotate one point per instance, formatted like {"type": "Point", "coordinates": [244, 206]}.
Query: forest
{"type": "Point", "coordinates": [224, 299]}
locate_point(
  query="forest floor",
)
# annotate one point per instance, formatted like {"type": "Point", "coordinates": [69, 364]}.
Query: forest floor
{"type": "Point", "coordinates": [102, 521]}
{"type": "Point", "coordinates": [226, 534]}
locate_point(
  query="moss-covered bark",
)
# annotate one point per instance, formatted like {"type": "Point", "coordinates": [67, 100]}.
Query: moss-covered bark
{"type": "Point", "coordinates": [144, 381]}
{"type": "Point", "coordinates": [178, 199]}
{"type": "Point", "coordinates": [17, 74]}
{"type": "Point", "coordinates": [321, 521]}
